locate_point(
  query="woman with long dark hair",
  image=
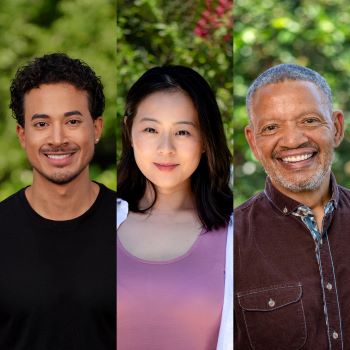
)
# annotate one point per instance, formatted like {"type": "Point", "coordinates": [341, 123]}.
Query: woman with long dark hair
{"type": "Point", "coordinates": [174, 246]}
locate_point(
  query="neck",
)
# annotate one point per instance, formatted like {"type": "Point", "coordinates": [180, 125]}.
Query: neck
{"type": "Point", "coordinates": [169, 200]}
{"type": "Point", "coordinates": [61, 202]}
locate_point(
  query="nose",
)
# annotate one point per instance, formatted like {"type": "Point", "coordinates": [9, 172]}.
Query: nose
{"type": "Point", "coordinates": [166, 144]}
{"type": "Point", "coordinates": [57, 135]}
{"type": "Point", "coordinates": [293, 137]}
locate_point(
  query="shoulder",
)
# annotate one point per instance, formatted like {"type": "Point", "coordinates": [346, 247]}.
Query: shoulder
{"type": "Point", "coordinates": [230, 224]}
{"type": "Point", "coordinates": [343, 191]}
{"type": "Point", "coordinates": [344, 197]}
{"type": "Point", "coordinates": [106, 192]}
{"type": "Point", "coordinates": [251, 203]}
{"type": "Point", "coordinates": [12, 204]}
{"type": "Point", "coordinates": [12, 208]}
{"type": "Point", "coordinates": [251, 214]}
{"type": "Point", "coordinates": [122, 211]}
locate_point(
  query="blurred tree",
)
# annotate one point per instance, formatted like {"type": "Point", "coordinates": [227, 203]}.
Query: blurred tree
{"type": "Point", "coordinates": [313, 34]}
{"type": "Point", "coordinates": [83, 29]}
{"type": "Point", "coordinates": [197, 34]}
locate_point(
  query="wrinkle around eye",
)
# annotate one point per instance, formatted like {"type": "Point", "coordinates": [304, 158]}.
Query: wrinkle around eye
{"type": "Point", "coordinates": [269, 129]}
{"type": "Point", "coordinates": [311, 121]}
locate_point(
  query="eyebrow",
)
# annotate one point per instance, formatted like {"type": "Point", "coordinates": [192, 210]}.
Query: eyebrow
{"type": "Point", "coordinates": [39, 116]}
{"type": "Point", "coordinates": [68, 114]}
{"type": "Point", "coordinates": [158, 122]}
{"type": "Point", "coordinates": [45, 116]}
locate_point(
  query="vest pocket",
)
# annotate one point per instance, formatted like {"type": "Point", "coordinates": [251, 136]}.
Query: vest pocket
{"type": "Point", "coordinates": [274, 317]}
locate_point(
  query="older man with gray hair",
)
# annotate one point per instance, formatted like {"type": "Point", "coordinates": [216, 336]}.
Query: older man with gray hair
{"type": "Point", "coordinates": [292, 261]}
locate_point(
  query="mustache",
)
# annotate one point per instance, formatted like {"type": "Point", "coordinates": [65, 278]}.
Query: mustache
{"type": "Point", "coordinates": [62, 148]}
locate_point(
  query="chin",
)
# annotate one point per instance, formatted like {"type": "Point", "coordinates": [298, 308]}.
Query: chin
{"type": "Point", "coordinates": [60, 178]}
{"type": "Point", "coordinates": [303, 183]}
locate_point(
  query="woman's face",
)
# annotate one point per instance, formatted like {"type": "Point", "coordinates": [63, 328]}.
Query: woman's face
{"type": "Point", "coordinates": [166, 139]}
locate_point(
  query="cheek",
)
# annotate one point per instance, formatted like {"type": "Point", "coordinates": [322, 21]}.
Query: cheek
{"type": "Point", "coordinates": [192, 151]}
{"type": "Point", "coordinates": [264, 148]}
{"type": "Point", "coordinates": [84, 136]}
{"type": "Point", "coordinates": [142, 148]}
{"type": "Point", "coordinates": [33, 140]}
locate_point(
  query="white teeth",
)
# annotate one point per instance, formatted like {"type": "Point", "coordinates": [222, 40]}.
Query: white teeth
{"type": "Point", "coordinates": [58, 156]}
{"type": "Point", "coordinates": [298, 158]}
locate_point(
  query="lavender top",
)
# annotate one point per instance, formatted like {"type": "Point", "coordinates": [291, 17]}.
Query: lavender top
{"type": "Point", "coordinates": [174, 304]}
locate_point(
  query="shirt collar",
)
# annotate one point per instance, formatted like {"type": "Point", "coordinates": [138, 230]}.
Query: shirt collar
{"type": "Point", "coordinates": [286, 205]}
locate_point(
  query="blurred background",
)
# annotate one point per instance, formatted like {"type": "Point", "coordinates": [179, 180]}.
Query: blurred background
{"type": "Point", "coordinates": [83, 29]}
{"type": "Point", "coordinates": [194, 33]}
{"type": "Point", "coordinates": [315, 34]}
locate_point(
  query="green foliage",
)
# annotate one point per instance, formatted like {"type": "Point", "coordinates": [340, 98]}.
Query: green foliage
{"type": "Point", "coordinates": [315, 34]}
{"type": "Point", "coordinates": [83, 29]}
{"type": "Point", "coordinates": [156, 32]}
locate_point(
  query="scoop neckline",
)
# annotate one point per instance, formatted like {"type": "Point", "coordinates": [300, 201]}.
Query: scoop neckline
{"type": "Point", "coordinates": [162, 262]}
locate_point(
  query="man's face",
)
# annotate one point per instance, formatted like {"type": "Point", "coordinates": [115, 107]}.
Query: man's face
{"type": "Point", "coordinates": [59, 134]}
{"type": "Point", "coordinates": [293, 133]}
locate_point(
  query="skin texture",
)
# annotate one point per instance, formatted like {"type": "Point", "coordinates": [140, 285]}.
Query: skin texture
{"type": "Point", "coordinates": [293, 134]}
{"type": "Point", "coordinates": [165, 131]}
{"type": "Point", "coordinates": [59, 137]}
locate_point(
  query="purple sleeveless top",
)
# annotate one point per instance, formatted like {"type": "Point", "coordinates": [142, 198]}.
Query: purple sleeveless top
{"type": "Point", "coordinates": [174, 304]}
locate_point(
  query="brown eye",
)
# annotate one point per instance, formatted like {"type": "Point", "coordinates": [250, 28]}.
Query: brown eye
{"type": "Point", "coordinates": [183, 133]}
{"type": "Point", "coordinates": [150, 130]}
{"type": "Point", "coordinates": [310, 121]}
{"type": "Point", "coordinates": [40, 125]}
{"type": "Point", "coordinates": [73, 122]}
{"type": "Point", "coordinates": [268, 129]}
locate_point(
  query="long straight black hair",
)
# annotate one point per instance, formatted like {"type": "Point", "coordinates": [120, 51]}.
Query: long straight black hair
{"type": "Point", "coordinates": [210, 181]}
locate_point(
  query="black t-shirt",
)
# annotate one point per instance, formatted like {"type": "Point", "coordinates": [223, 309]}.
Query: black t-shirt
{"type": "Point", "coordinates": [57, 278]}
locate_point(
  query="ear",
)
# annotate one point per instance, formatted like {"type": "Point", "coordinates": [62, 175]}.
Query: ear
{"type": "Point", "coordinates": [98, 127]}
{"type": "Point", "coordinates": [21, 135]}
{"type": "Point", "coordinates": [338, 120]}
{"type": "Point", "coordinates": [250, 137]}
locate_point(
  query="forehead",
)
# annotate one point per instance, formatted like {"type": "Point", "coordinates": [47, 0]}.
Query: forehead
{"type": "Point", "coordinates": [288, 98]}
{"type": "Point", "coordinates": [54, 98]}
{"type": "Point", "coordinates": [167, 106]}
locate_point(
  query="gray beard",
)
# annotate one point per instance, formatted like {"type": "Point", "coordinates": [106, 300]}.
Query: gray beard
{"type": "Point", "coordinates": [311, 184]}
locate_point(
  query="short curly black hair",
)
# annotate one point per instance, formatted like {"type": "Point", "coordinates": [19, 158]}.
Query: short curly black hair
{"type": "Point", "coordinates": [55, 68]}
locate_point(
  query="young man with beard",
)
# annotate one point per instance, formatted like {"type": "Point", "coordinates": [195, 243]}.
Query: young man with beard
{"type": "Point", "coordinates": [292, 274]}
{"type": "Point", "coordinates": [57, 238]}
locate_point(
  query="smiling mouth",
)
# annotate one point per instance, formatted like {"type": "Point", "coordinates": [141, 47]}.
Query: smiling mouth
{"type": "Point", "coordinates": [59, 156]}
{"type": "Point", "coordinates": [297, 158]}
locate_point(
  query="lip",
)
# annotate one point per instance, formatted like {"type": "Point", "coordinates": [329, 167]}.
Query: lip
{"type": "Point", "coordinates": [166, 166]}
